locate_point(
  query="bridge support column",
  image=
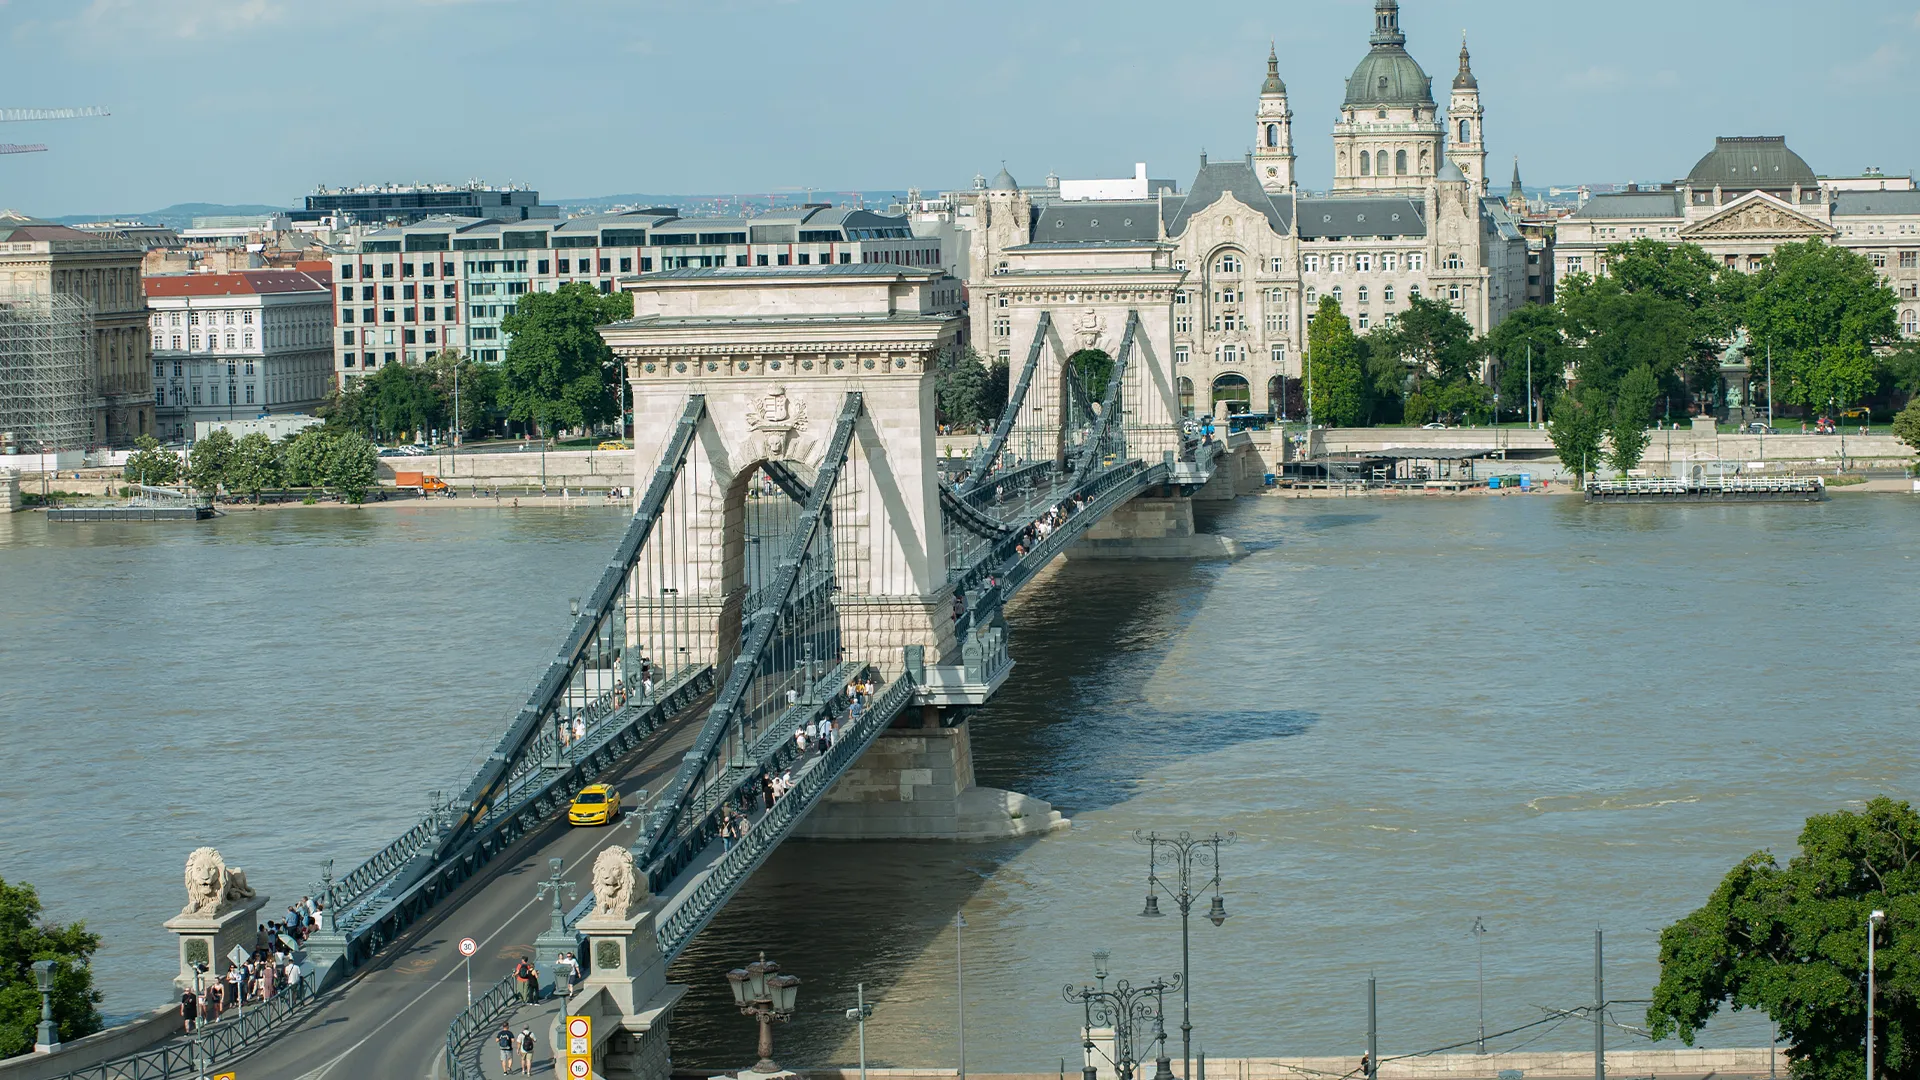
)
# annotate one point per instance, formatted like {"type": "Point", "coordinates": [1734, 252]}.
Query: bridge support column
{"type": "Point", "coordinates": [917, 784]}
{"type": "Point", "coordinates": [627, 995]}
{"type": "Point", "coordinates": [1153, 527]}
{"type": "Point", "coordinates": [207, 939]}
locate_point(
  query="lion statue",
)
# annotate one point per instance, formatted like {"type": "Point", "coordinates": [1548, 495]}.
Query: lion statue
{"type": "Point", "coordinates": [615, 887]}
{"type": "Point", "coordinates": [211, 885]}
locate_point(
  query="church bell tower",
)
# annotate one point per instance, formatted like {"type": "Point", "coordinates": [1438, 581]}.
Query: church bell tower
{"type": "Point", "coordinates": [1273, 132]}
{"type": "Point", "coordinates": [1466, 142]}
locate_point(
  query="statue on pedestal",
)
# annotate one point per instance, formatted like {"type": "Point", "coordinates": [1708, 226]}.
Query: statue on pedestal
{"type": "Point", "coordinates": [616, 888]}
{"type": "Point", "coordinates": [212, 886]}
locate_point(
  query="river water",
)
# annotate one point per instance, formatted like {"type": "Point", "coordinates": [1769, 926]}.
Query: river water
{"type": "Point", "coordinates": [1412, 713]}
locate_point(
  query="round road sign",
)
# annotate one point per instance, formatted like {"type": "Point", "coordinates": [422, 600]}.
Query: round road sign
{"type": "Point", "coordinates": [468, 946]}
{"type": "Point", "coordinates": [577, 1027]}
{"type": "Point", "coordinates": [579, 1067]}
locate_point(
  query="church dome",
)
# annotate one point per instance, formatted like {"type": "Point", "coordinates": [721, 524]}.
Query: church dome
{"type": "Point", "coordinates": [1387, 75]}
{"type": "Point", "coordinates": [1752, 161]}
{"type": "Point", "coordinates": [1003, 181]}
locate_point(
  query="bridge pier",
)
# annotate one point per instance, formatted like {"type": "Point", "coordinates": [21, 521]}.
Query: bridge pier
{"type": "Point", "coordinates": [627, 997]}
{"type": "Point", "coordinates": [1154, 527]}
{"type": "Point", "coordinates": [916, 783]}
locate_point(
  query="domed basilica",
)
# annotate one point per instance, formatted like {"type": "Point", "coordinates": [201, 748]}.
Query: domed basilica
{"type": "Point", "coordinates": [1242, 258]}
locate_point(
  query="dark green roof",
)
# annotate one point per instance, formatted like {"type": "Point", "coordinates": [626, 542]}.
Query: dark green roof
{"type": "Point", "coordinates": [1387, 75]}
{"type": "Point", "coordinates": [1752, 161]}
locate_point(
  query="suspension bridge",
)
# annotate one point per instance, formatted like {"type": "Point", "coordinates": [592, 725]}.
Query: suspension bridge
{"type": "Point", "coordinates": [795, 533]}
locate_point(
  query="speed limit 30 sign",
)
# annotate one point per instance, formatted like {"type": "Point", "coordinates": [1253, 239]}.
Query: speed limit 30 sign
{"type": "Point", "coordinates": [468, 946]}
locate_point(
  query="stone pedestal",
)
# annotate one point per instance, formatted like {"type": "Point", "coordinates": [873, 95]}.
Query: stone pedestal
{"type": "Point", "coordinates": [627, 993]}
{"type": "Point", "coordinates": [1155, 527]}
{"type": "Point", "coordinates": [207, 939]}
{"type": "Point", "coordinates": [917, 784]}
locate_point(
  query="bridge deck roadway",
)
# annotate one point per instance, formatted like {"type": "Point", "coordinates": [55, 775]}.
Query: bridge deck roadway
{"type": "Point", "coordinates": [391, 1019]}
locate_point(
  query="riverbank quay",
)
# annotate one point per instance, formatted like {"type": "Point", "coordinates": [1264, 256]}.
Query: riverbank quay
{"type": "Point", "coordinates": [1675, 1064]}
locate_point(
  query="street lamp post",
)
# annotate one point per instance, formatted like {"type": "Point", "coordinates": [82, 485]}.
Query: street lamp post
{"type": "Point", "coordinates": [1480, 961]}
{"type": "Point", "coordinates": [762, 992]}
{"type": "Point", "coordinates": [1126, 1010]}
{"type": "Point", "coordinates": [48, 1038]}
{"type": "Point", "coordinates": [861, 1013]}
{"type": "Point", "coordinates": [1873, 923]}
{"type": "Point", "coordinates": [1182, 849]}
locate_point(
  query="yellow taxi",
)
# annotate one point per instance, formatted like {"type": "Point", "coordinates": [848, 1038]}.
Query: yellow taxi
{"type": "Point", "coordinates": [616, 444]}
{"type": "Point", "coordinates": [597, 804]}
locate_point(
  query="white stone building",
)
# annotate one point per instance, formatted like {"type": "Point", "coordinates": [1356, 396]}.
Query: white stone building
{"type": "Point", "coordinates": [245, 344]}
{"type": "Point", "coordinates": [1409, 215]}
{"type": "Point", "coordinates": [1748, 195]}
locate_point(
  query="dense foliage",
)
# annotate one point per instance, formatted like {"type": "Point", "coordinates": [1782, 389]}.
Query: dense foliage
{"type": "Point", "coordinates": [150, 464]}
{"type": "Point", "coordinates": [24, 938]}
{"type": "Point", "coordinates": [559, 372]}
{"type": "Point", "coordinates": [1791, 941]}
{"type": "Point", "coordinates": [403, 402]}
{"type": "Point", "coordinates": [1337, 392]}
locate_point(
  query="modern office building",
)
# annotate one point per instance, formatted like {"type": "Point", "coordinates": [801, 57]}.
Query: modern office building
{"type": "Point", "coordinates": [245, 344]}
{"type": "Point", "coordinates": [446, 283]}
{"type": "Point", "coordinates": [401, 204]}
{"type": "Point", "coordinates": [102, 271]}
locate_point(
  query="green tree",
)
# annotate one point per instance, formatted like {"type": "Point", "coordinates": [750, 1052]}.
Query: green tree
{"type": "Point", "coordinates": [404, 398]}
{"type": "Point", "coordinates": [1334, 367]}
{"type": "Point", "coordinates": [208, 463]}
{"type": "Point", "coordinates": [24, 938]}
{"type": "Point", "coordinates": [150, 464]}
{"type": "Point", "coordinates": [1906, 424]}
{"type": "Point", "coordinates": [353, 466]}
{"type": "Point", "coordinates": [1669, 307]}
{"type": "Point", "coordinates": [960, 386]}
{"type": "Point", "coordinates": [1575, 429]}
{"type": "Point", "coordinates": [256, 466]}
{"type": "Point", "coordinates": [1094, 367]}
{"type": "Point", "coordinates": [559, 372]}
{"type": "Point", "coordinates": [1791, 942]}
{"type": "Point", "coordinates": [1822, 309]}
{"type": "Point", "coordinates": [350, 409]}
{"type": "Point", "coordinates": [1530, 339]}
{"type": "Point", "coordinates": [477, 385]}
{"type": "Point", "coordinates": [999, 388]}
{"type": "Point", "coordinates": [306, 457]}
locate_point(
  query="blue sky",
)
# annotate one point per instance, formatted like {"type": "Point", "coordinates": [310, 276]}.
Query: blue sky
{"type": "Point", "coordinates": [259, 100]}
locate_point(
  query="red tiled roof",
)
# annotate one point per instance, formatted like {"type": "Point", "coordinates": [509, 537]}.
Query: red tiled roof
{"type": "Point", "coordinates": [238, 283]}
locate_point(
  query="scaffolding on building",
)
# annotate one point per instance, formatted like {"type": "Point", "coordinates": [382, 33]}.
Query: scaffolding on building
{"type": "Point", "coordinates": [46, 355]}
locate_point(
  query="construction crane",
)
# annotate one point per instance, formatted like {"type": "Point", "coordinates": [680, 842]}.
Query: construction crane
{"type": "Point", "coordinates": [18, 115]}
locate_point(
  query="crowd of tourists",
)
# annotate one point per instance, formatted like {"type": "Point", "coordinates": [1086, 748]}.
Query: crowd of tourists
{"type": "Point", "coordinates": [268, 971]}
{"type": "Point", "coordinates": [1044, 525]}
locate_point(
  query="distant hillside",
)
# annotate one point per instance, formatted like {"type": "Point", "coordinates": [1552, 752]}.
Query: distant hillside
{"type": "Point", "coordinates": [178, 216]}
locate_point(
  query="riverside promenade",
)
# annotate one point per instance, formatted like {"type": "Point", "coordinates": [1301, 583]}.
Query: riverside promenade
{"type": "Point", "coordinates": [1676, 1064]}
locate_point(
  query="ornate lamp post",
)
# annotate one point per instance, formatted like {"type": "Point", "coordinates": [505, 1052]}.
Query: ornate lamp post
{"type": "Point", "coordinates": [48, 1038]}
{"type": "Point", "coordinates": [548, 946]}
{"type": "Point", "coordinates": [1137, 1016]}
{"type": "Point", "coordinates": [763, 993]}
{"type": "Point", "coordinates": [1182, 849]}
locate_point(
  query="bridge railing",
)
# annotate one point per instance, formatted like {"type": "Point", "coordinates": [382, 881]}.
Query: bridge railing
{"type": "Point", "coordinates": [384, 918]}
{"type": "Point", "coordinates": [718, 883]}
{"type": "Point", "coordinates": [213, 1044]}
{"type": "Point", "coordinates": [498, 1001]}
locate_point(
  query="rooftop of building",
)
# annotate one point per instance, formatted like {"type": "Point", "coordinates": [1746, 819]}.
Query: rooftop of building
{"type": "Point", "coordinates": [1665, 203]}
{"type": "Point", "coordinates": [313, 277]}
{"type": "Point", "coordinates": [1218, 179]}
{"type": "Point", "coordinates": [1869, 203]}
{"type": "Point", "coordinates": [1751, 161]}
{"type": "Point", "coordinates": [1362, 215]}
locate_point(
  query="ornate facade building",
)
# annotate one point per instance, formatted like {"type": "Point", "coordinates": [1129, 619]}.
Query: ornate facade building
{"type": "Point", "coordinates": [1245, 256]}
{"type": "Point", "coordinates": [1745, 197]}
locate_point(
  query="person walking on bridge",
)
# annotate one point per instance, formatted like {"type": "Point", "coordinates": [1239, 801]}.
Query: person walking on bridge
{"type": "Point", "coordinates": [504, 1040]}
{"type": "Point", "coordinates": [528, 979]}
{"type": "Point", "coordinates": [526, 1051]}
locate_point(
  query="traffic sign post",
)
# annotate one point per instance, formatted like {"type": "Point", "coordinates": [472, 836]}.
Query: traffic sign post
{"type": "Point", "coordinates": [468, 947]}
{"type": "Point", "coordinates": [579, 1058]}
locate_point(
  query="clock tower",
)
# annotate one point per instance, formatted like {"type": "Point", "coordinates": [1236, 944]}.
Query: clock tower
{"type": "Point", "coordinates": [1273, 132]}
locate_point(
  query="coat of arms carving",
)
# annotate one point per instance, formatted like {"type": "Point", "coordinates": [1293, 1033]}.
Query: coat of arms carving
{"type": "Point", "coordinates": [1090, 327]}
{"type": "Point", "coordinates": [775, 419]}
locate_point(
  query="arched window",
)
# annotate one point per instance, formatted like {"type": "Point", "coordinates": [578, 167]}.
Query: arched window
{"type": "Point", "coordinates": [1366, 163]}
{"type": "Point", "coordinates": [1400, 162]}
{"type": "Point", "coordinates": [1313, 296]}
{"type": "Point", "coordinates": [1185, 386]}
{"type": "Point", "coordinates": [1229, 263]}
{"type": "Point", "coordinates": [1466, 131]}
{"type": "Point", "coordinates": [1231, 395]}
{"type": "Point", "coordinates": [1273, 134]}
{"type": "Point", "coordinates": [1336, 294]}
{"type": "Point", "coordinates": [1383, 86]}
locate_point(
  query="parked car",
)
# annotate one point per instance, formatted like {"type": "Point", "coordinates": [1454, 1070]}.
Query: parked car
{"type": "Point", "coordinates": [1433, 427]}
{"type": "Point", "coordinates": [1758, 428]}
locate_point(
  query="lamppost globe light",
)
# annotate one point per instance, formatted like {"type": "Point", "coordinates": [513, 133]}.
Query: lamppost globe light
{"type": "Point", "coordinates": [737, 978]}
{"type": "Point", "coordinates": [43, 975]}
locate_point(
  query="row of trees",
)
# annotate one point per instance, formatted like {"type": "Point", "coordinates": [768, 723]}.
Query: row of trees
{"type": "Point", "coordinates": [1615, 351]}
{"type": "Point", "coordinates": [340, 460]}
{"type": "Point", "coordinates": [558, 373]}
